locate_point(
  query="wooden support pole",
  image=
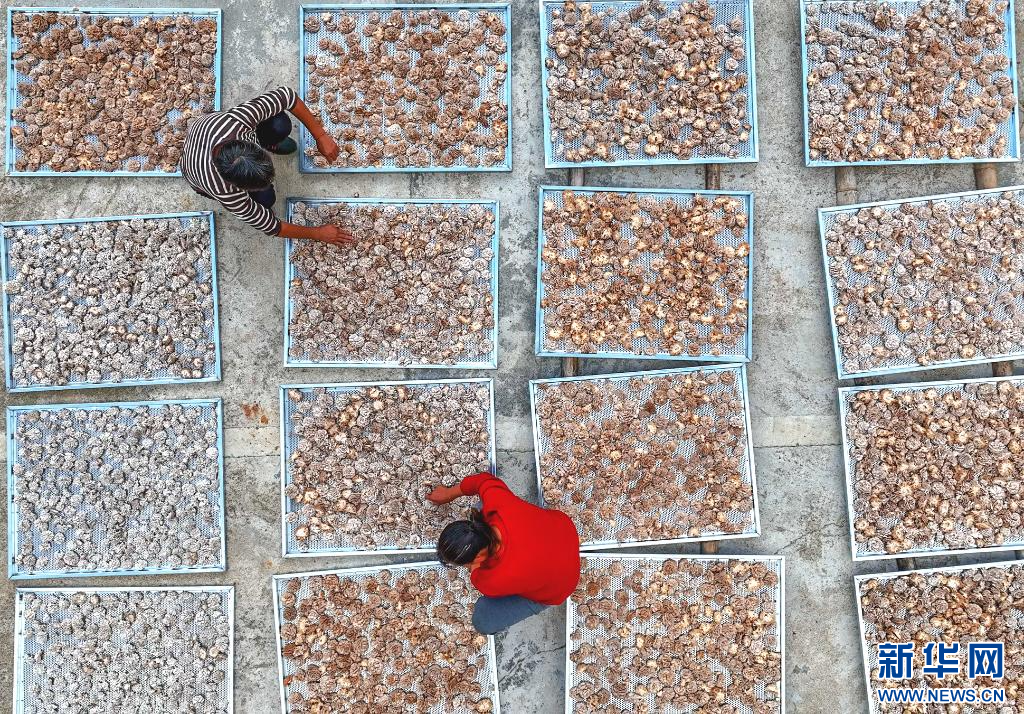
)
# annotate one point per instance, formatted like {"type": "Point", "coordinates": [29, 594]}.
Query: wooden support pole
{"type": "Point", "coordinates": [906, 564]}
{"type": "Point", "coordinates": [846, 186]}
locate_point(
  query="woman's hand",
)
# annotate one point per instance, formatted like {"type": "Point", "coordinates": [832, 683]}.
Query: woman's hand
{"type": "Point", "coordinates": [327, 147]}
{"type": "Point", "coordinates": [444, 494]}
{"type": "Point", "coordinates": [335, 235]}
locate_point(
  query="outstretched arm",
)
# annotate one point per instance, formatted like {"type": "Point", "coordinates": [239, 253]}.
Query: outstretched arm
{"type": "Point", "coordinates": [330, 233]}
{"type": "Point", "coordinates": [325, 143]}
{"type": "Point", "coordinates": [445, 494]}
{"type": "Point", "coordinates": [469, 486]}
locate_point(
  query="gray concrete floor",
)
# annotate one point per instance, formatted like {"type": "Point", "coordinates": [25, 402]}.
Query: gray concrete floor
{"type": "Point", "coordinates": [792, 377]}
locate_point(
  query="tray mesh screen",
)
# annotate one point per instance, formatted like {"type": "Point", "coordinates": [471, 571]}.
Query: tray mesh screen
{"type": "Point", "coordinates": [840, 28]}
{"type": "Point", "coordinates": [736, 343]}
{"type": "Point", "coordinates": [148, 661]}
{"type": "Point", "coordinates": [696, 667]}
{"type": "Point", "coordinates": [491, 83]}
{"type": "Point", "coordinates": [682, 504]}
{"type": "Point", "coordinates": [121, 540]}
{"type": "Point", "coordinates": [557, 144]}
{"type": "Point", "coordinates": [424, 328]}
{"type": "Point", "coordinates": [139, 165]}
{"type": "Point", "coordinates": [403, 494]}
{"type": "Point", "coordinates": [389, 674]}
{"type": "Point", "coordinates": [960, 299]}
{"type": "Point", "coordinates": [885, 599]}
{"type": "Point", "coordinates": [194, 337]}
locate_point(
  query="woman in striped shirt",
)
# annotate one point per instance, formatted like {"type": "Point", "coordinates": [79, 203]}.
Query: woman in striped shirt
{"type": "Point", "coordinates": [225, 158]}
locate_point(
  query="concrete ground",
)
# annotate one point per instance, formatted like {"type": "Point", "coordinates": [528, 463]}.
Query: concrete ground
{"type": "Point", "coordinates": [792, 377]}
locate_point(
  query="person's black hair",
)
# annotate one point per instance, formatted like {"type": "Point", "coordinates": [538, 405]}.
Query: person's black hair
{"type": "Point", "coordinates": [244, 164]}
{"type": "Point", "coordinates": [462, 541]}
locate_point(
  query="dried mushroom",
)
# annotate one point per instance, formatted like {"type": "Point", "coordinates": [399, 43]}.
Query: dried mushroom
{"type": "Point", "coordinates": [644, 274]}
{"type": "Point", "coordinates": [927, 282]}
{"type": "Point", "coordinates": [936, 468]}
{"type": "Point", "coordinates": [111, 301]}
{"type": "Point", "coordinates": [656, 457]}
{"type": "Point", "coordinates": [652, 635]}
{"type": "Point", "coordinates": [126, 651]}
{"type": "Point", "coordinates": [971, 605]}
{"type": "Point", "coordinates": [414, 288]}
{"type": "Point", "coordinates": [395, 640]}
{"type": "Point", "coordinates": [97, 92]}
{"type": "Point", "coordinates": [365, 459]}
{"type": "Point", "coordinates": [896, 81]}
{"type": "Point", "coordinates": [409, 89]}
{"type": "Point", "coordinates": [647, 80]}
{"type": "Point", "coordinates": [117, 488]}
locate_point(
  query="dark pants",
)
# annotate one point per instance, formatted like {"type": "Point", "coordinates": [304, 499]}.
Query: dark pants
{"type": "Point", "coordinates": [494, 614]}
{"type": "Point", "coordinates": [274, 130]}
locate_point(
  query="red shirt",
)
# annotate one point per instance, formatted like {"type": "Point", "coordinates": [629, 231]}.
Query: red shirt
{"type": "Point", "coordinates": [539, 555]}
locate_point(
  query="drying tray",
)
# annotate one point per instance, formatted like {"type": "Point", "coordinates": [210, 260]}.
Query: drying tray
{"type": "Point", "coordinates": [860, 550]}
{"type": "Point", "coordinates": [488, 676]}
{"type": "Point", "coordinates": [740, 352]}
{"type": "Point", "coordinates": [6, 272]}
{"type": "Point", "coordinates": [826, 219]}
{"type": "Point", "coordinates": [212, 408]}
{"type": "Point", "coordinates": [22, 651]}
{"type": "Point", "coordinates": [489, 361]}
{"type": "Point", "coordinates": [13, 99]}
{"type": "Point", "coordinates": [541, 444]}
{"type": "Point", "coordinates": [725, 10]}
{"type": "Point", "coordinates": [1009, 129]}
{"type": "Point", "coordinates": [869, 652]}
{"type": "Point", "coordinates": [308, 44]}
{"type": "Point", "coordinates": [777, 565]}
{"type": "Point", "coordinates": [289, 544]}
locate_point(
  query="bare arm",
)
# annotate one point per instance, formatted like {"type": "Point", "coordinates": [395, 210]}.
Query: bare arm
{"type": "Point", "coordinates": [335, 235]}
{"type": "Point", "coordinates": [445, 494]}
{"type": "Point", "coordinates": [324, 142]}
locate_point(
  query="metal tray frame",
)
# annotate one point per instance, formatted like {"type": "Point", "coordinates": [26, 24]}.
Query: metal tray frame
{"type": "Point", "coordinates": [19, 629]}
{"type": "Point", "coordinates": [844, 392]}
{"type": "Point", "coordinates": [289, 274]}
{"type": "Point", "coordinates": [746, 196]}
{"type": "Point", "coordinates": [12, 511]}
{"type": "Point", "coordinates": [826, 213]}
{"type": "Point", "coordinates": [214, 13]}
{"type": "Point", "coordinates": [873, 707]}
{"type": "Point", "coordinates": [5, 272]}
{"type": "Point", "coordinates": [1014, 121]}
{"type": "Point", "coordinates": [591, 546]}
{"type": "Point", "coordinates": [750, 65]}
{"type": "Point", "coordinates": [278, 581]}
{"type": "Point", "coordinates": [287, 444]}
{"type": "Point", "coordinates": [570, 609]}
{"type": "Point", "coordinates": [307, 167]}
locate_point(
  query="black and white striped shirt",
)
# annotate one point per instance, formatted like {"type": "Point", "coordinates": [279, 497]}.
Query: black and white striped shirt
{"type": "Point", "coordinates": [205, 132]}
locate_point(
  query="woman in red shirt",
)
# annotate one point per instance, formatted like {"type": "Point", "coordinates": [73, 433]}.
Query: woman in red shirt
{"type": "Point", "coordinates": [521, 557]}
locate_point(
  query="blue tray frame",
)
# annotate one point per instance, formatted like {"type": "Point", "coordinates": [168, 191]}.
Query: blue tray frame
{"type": "Point", "coordinates": [823, 214]}
{"type": "Point", "coordinates": [1014, 148]}
{"type": "Point", "coordinates": [288, 444]}
{"type": "Point", "coordinates": [5, 271]}
{"type": "Point", "coordinates": [844, 393]}
{"type": "Point", "coordinates": [749, 449]}
{"type": "Point", "coordinates": [278, 583]}
{"type": "Point", "coordinates": [775, 562]}
{"type": "Point", "coordinates": [549, 155]}
{"type": "Point", "coordinates": [307, 167]}
{"type": "Point", "coordinates": [227, 593]}
{"type": "Point", "coordinates": [746, 196]}
{"type": "Point", "coordinates": [289, 274]}
{"type": "Point", "coordinates": [215, 13]}
{"type": "Point", "coordinates": [869, 654]}
{"type": "Point", "coordinates": [12, 514]}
